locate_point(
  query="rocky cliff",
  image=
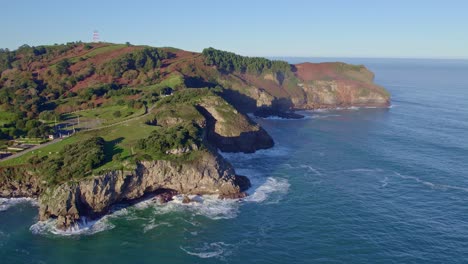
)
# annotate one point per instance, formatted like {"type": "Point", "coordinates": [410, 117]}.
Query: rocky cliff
{"type": "Point", "coordinates": [308, 86]}
{"type": "Point", "coordinates": [20, 181]}
{"type": "Point", "coordinates": [92, 197]}
{"type": "Point", "coordinates": [231, 131]}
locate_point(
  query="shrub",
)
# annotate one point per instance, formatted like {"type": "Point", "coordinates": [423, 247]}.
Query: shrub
{"type": "Point", "coordinates": [75, 161]}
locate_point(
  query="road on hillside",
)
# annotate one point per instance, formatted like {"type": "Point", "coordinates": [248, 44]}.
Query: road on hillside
{"type": "Point", "coordinates": [32, 149]}
{"type": "Point", "coordinates": [147, 112]}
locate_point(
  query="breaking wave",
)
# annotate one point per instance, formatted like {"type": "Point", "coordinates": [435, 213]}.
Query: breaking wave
{"type": "Point", "coordinates": [270, 191]}
{"type": "Point", "coordinates": [272, 186]}
{"type": "Point", "coordinates": [83, 227]}
{"type": "Point", "coordinates": [6, 203]}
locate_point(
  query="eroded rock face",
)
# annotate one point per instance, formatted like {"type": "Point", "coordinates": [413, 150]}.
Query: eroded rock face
{"type": "Point", "coordinates": [19, 182]}
{"type": "Point", "coordinates": [235, 134]}
{"type": "Point", "coordinates": [337, 93]}
{"type": "Point", "coordinates": [92, 197]}
{"type": "Point", "coordinates": [313, 86]}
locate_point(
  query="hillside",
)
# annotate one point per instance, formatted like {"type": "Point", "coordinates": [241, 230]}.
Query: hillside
{"type": "Point", "coordinates": [131, 121]}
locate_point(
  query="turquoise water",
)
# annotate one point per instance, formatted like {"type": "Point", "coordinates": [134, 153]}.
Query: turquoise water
{"type": "Point", "coordinates": [346, 186]}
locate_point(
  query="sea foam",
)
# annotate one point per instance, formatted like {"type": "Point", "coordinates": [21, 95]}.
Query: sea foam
{"type": "Point", "coordinates": [6, 203]}
{"type": "Point", "coordinates": [209, 250]}
{"type": "Point", "coordinates": [83, 227]}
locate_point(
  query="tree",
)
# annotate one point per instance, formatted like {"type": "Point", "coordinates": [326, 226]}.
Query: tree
{"type": "Point", "coordinates": [62, 67]}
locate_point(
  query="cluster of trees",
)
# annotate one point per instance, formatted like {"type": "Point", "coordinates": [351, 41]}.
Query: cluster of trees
{"type": "Point", "coordinates": [101, 90]}
{"type": "Point", "coordinates": [73, 162]}
{"type": "Point", "coordinates": [169, 138]}
{"type": "Point", "coordinates": [25, 128]}
{"type": "Point", "coordinates": [24, 99]}
{"type": "Point", "coordinates": [25, 54]}
{"type": "Point", "coordinates": [229, 62]}
{"type": "Point", "coordinates": [62, 67]}
{"type": "Point", "coordinates": [143, 60]}
{"type": "Point", "coordinates": [32, 97]}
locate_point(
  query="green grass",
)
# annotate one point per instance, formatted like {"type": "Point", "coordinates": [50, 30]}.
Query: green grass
{"type": "Point", "coordinates": [6, 117]}
{"type": "Point", "coordinates": [172, 81]}
{"type": "Point", "coordinates": [97, 51]}
{"type": "Point", "coordinates": [46, 151]}
{"type": "Point", "coordinates": [106, 114]}
{"type": "Point", "coordinates": [119, 139]}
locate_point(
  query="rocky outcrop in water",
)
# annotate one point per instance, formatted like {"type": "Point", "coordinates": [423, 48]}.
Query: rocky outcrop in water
{"type": "Point", "coordinates": [93, 197]}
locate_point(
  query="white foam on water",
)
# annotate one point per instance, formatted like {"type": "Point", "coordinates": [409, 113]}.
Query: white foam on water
{"type": "Point", "coordinates": [365, 170]}
{"type": "Point", "coordinates": [207, 205]}
{"type": "Point", "coordinates": [83, 227]}
{"type": "Point", "coordinates": [384, 182]}
{"type": "Point", "coordinates": [6, 203]}
{"type": "Point", "coordinates": [271, 186]}
{"type": "Point", "coordinates": [276, 151]}
{"type": "Point", "coordinates": [324, 116]}
{"type": "Point", "coordinates": [306, 166]}
{"type": "Point", "coordinates": [209, 250]}
{"type": "Point", "coordinates": [264, 189]}
{"type": "Point", "coordinates": [431, 184]}
{"type": "Point", "coordinates": [312, 169]}
{"type": "Point", "coordinates": [152, 225]}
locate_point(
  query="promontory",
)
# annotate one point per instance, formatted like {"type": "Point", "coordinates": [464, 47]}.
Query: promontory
{"type": "Point", "coordinates": [84, 126]}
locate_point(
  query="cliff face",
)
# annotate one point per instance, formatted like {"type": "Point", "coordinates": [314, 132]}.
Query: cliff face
{"type": "Point", "coordinates": [231, 131]}
{"type": "Point", "coordinates": [92, 197]}
{"type": "Point", "coordinates": [19, 182]}
{"type": "Point", "coordinates": [309, 86]}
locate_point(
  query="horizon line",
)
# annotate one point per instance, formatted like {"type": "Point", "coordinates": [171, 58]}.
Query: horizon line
{"type": "Point", "coordinates": [281, 56]}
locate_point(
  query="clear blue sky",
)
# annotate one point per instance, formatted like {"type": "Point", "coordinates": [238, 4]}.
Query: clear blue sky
{"type": "Point", "coordinates": [393, 28]}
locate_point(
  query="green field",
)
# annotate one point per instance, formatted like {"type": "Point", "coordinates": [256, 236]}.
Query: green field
{"type": "Point", "coordinates": [173, 81]}
{"type": "Point", "coordinates": [119, 139]}
{"type": "Point", "coordinates": [106, 114]}
{"type": "Point", "coordinates": [6, 117]}
{"type": "Point", "coordinates": [98, 51]}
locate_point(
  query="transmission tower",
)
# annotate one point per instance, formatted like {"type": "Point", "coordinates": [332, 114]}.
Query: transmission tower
{"type": "Point", "coordinates": [96, 36]}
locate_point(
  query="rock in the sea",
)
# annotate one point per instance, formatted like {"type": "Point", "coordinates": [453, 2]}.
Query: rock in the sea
{"type": "Point", "coordinates": [92, 197]}
{"type": "Point", "coordinates": [186, 199]}
{"type": "Point", "coordinates": [267, 112]}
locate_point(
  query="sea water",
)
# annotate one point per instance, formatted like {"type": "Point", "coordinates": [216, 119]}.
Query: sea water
{"type": "Point", "coordinates": [340, 186]}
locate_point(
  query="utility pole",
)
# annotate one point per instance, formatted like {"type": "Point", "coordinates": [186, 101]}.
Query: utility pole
{"type": "Point", "coordinates": [55, 126]}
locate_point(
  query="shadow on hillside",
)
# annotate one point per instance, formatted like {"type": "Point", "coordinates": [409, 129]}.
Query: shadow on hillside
{"type": "Point", "coordinates": [197, 82]}
{"type": "Point", "coordinates": [111, 149]}
{"type": "Point", "coordinates": [241, 102]}
{"type": "Point", "coordinates": [247, 141]}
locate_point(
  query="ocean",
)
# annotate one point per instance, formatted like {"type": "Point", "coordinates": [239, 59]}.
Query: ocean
{"type": "Point", "coordinates": [340, 186]}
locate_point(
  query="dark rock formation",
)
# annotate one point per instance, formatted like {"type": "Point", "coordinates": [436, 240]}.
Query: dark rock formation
{"type": "Point", "coordinates": [237, 135]}
{"type": "Point", "coordinates": [267, 112]}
